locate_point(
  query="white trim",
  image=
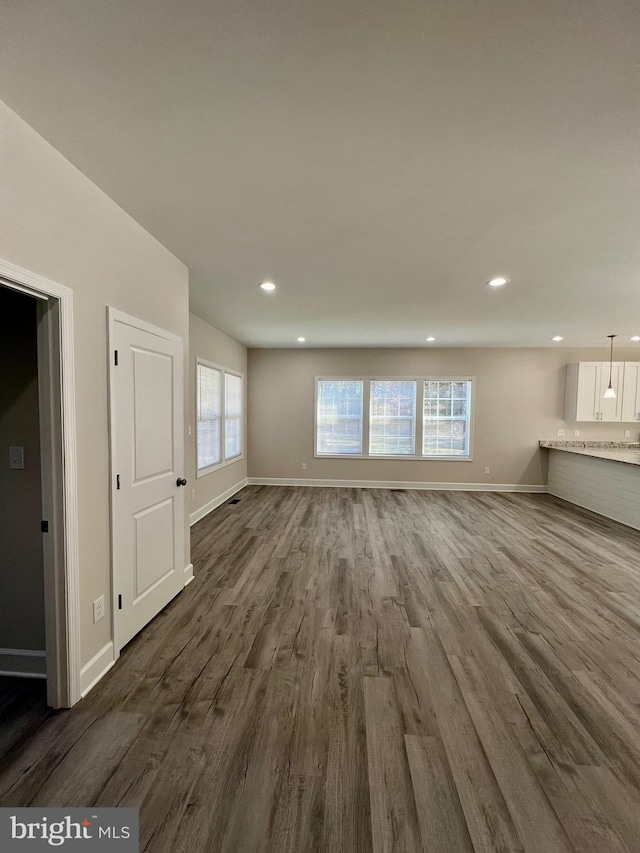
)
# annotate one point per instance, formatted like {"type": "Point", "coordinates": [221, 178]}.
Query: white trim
{"type": "Point", "coordinates": [115, 315]}
{"type": "Point", "coordinates": [9, 673]}
{"type": "Point", "coordinates": [63, 628]}
{"type": "Point", "coordinates": [188, 574]}
{"type": "Point", "coordinates": [391, 484]}
{"type": "Point", "coordinates": [27, 653]}
{"type": "Point", "coordinates": [28, 291]}
{"type": "Point", "coordinates": [23, 663]}
{"type": "Point", "coordinates": [216, 502]}
{"type": "Point", "coordinates": [98, 666]}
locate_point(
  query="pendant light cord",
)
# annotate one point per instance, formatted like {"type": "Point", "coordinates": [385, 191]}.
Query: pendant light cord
{"type": "Point", "coordinates": [611, 361]}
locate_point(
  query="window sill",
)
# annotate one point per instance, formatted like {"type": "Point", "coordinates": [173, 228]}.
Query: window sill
{"type": "Point", "coordinates": [395, 458]}
{"type": "Point", "coordinates": [202, 472]}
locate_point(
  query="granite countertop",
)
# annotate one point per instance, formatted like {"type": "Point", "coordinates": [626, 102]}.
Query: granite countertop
{"type": "Point", "coordinates": [617, 451]}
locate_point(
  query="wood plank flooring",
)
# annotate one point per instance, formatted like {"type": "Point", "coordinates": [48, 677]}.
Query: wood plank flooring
{"type": "Point", "coordinates": [23, 704]}
{"type": "Point", "coordinates": [366, 670]}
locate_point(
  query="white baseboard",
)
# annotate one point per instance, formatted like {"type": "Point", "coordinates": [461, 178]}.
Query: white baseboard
{"type": "Point", "coordinates": [216, 502]}
{"type": "Point", "coordinates": [188, 574]}
{"type": "Point", "coordinates": [98, 666]}
{"type": "Point", "coordinates": [389, 484]}
{"type": "Point", "coordinates": [23, 663]}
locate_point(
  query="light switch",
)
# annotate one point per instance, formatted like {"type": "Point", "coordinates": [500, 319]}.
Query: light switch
{"type": "Point", "coordinates": [16, 458]}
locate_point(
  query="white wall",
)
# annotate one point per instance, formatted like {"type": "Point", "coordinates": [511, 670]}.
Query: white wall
{"type": "Point", "coordinates": [56, 223]}
{"type": "Point", "coordinates": [213, 345]}
{"type": "Point", "coordinates": [519, 399]}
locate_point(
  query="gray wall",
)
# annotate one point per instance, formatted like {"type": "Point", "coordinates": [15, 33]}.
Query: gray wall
{"type": "Point", "coordinates": [21, 568]}
{"type": "Point", "coordinates": [213, 345]}
{"type": "Point", "coordinates": [58, 224]}
{"type": "Point", "coordinates": [519, 399]}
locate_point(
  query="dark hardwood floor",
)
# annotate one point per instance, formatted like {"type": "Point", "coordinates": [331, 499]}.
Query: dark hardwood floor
{"type": "Point", "coordinates": [23, 705]}
{"type": "Point", "coordinates": [364, 670]}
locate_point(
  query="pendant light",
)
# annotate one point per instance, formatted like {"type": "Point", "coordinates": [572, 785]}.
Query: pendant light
{"type": "Point", "coordinates": [610, 393]}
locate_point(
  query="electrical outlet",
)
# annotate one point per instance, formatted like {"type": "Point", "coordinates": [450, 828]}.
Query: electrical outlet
{"type": "Point", "coordinates": [304, 466]}
{"type": "Point", "coordinates": [627, 433]}
{"type": "Point", "coordinates": [193, 494]}
{"type": "Point", "coordinates": [576, 432]}
{"type": "Point", "coordinates": [98, 609]}
{"type": "Point", "coordinates": [16, 458]}
{"type": "Point", "coordinates": [559, 433]}
{"type": "Point", "coordinates": [487, 470]}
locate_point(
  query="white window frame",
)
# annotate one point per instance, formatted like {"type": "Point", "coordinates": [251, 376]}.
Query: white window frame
{"type": "Point", "coordinates": [365, 417]}
{"type": "Point", "coordinates": [415, 422]}
{"type": "Point", "coordinates": [202, 472]}
{"type": "Point", "coordinates": [366, 408]}
{"type": "Point", "coordinates": [438, 456]}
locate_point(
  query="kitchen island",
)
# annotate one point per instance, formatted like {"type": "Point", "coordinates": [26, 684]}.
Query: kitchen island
{"type": "Point", "coordinates": [602, 476]}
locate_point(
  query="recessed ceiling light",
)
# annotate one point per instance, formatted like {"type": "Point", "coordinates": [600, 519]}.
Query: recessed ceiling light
{"type": "Point", "coordinates": [269, 286]}
{"type": "Point", "coordinates": [499, 281]}
{"type": "Point", "coordinates": [557, 338]}
{"type": "Point", "coordinates": [635, 338]}
{"type": "Point", "coordinates": [301, 340]}
{"type": "Point", "coordinates": [430, 340]}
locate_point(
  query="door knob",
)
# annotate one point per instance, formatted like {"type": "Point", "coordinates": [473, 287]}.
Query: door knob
{"type": "Point", "coordinates": [181, 482]}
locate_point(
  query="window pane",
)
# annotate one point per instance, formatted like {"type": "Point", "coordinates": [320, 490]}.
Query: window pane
{"type": "Point", "coordinates": [209, 420]}
{"type": "Point", "coordinates": [392, 417]}
{"type": "Point", "coordinates": [339, 416]}
{"type": "Point", "coordinates": [430, 390]}
{"type": "Point", "coordinates": [232, 416]}
{"type": "Point", "coordinates": [447, 415]}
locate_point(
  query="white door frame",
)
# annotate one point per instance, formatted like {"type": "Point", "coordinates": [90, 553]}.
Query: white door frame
{"type": "Point", "coordinates": [56, 376]}
{"type": "Point", "coordinates": [116, 316]}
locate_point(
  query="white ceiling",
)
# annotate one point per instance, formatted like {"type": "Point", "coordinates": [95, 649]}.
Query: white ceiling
{"type": "Point", "coordinates": [378, 160]}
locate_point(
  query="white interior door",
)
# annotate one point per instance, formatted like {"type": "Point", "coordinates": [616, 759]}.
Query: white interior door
{"type": "Point", "coordinates": [147, 447]}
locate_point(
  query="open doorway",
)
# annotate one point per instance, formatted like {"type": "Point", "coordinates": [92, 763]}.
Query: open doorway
{"type": "Point", "coordinates": [22, 614]}
{"type": "Point", "coordinates": [39, 611]}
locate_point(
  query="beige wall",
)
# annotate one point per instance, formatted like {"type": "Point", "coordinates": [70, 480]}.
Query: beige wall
{"type": "Point", "coordinates": [519, 399]}
{"type": "Point", "coordinates": [56, 223]}
{"type": "Point", "coordinates": [21, 568]}
{"type": "Point", "coordinates": [209, 343]}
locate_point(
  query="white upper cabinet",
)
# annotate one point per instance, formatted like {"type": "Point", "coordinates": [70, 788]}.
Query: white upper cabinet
{"type": "Point", "coordinates": [583, 382]}
{"type": "Point", "coordinates": [586, 383]}
{"type": "Point", "coordinates": [631, 392]}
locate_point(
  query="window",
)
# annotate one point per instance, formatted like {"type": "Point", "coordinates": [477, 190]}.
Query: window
{"type": "Point", "coordinates": [392, 417]}
{"type": "Point", "coordinates": [209, 425]}
{"type": "Point", "coordinates": [339, 417]}
{"type": "Point", "coordinates": [406, 418]}
{"type": "Point", "coordinates": [219, 423]}
{"type": "Point", "coordinates": [232, 415]}
{"type": "Point", "coordinates": [447, 413]}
